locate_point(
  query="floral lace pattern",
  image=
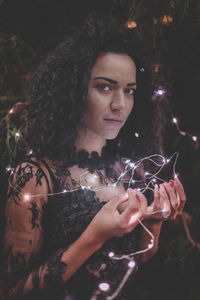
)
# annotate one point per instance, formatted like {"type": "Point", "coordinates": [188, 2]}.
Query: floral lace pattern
{"type": "Point", "coordinates": [54, 223]}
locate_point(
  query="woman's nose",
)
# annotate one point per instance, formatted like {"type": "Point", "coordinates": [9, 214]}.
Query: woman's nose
{"type": "Point", "coordinates": [118, 101]}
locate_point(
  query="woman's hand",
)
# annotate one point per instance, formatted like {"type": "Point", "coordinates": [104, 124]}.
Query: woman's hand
{"type": "Point", "coordinates": [109, 222]}
{"type": "Point", "coordinates": [169, 201]}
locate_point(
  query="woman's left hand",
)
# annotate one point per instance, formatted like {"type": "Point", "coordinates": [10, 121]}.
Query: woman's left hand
{"type": "Point", "coordinates": [169, 201]}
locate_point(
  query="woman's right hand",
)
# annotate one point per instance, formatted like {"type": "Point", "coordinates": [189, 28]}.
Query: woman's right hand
{"type": "Point", "coordinates": [109, 222]}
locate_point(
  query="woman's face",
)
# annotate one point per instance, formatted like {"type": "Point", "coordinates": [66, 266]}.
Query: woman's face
{"type": "Point", "coordinates": [110, 96]}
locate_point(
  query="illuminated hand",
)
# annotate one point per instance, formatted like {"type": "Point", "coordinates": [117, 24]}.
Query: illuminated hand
{"type": "Point", "coordinates": [110, 222]}
{"type": "Point", "coordinates": [169, 201]}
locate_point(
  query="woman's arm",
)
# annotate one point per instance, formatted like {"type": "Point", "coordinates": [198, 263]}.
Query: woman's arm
{"type": "Point", "coordinates": [154, 226]}
{"type": "Point", "coordinates": [169, 201]}
{"type": "Point", "coordinates": [25, 271]}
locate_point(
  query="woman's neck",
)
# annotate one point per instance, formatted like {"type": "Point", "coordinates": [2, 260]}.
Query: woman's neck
{"type": "Point", "coordinates": [89, 141]}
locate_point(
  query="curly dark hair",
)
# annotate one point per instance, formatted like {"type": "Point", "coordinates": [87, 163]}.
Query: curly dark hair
{"type": "Point", "coordinates": [57, 105]}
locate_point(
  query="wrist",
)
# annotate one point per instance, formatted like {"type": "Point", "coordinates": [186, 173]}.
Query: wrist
{"type": "Point", "coordinates": [152, 222]}
{"type": "Point", "coordinates": [91, 239]}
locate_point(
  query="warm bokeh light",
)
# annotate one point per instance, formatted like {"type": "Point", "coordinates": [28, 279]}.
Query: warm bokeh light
{"type": "Point", "coordinates": [131, 24]}
{"type": "Point", "coordinates": [166, 20]}
{"type": "Point", "coordinates": [156, 68]}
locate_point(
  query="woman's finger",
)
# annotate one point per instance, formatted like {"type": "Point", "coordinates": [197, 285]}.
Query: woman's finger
{"type": "Point", "coordinates": [142, 201]}
{"type": "Point", "coordinates": [156, 198]}
{"type": "Point", "coordinates": [180, 194]}
{"type": "Point", "coordinates": [180, 188]}
{"type": "Point", "coordinates": [165, 203]}
{"type": "Point", "coordinates": [132, 207]}
{"type": "Point", "coordinates": [172, 196]}
{"type": "Point", "coordinates": [117, 201]}
{"type": "Point", "coordinates": [155, 207]}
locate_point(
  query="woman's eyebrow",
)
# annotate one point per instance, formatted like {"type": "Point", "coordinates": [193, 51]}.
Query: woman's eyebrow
{"type": "Point", "coordinates": [130, 84]}
{"type": "Point", "coordinates": [107, 79]}
{"type": "Point", "coordinates": [113, 81]}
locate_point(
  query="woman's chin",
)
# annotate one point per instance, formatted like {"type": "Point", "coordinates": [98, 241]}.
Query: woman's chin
{"type": "Point", "coordinates": [111, 136]}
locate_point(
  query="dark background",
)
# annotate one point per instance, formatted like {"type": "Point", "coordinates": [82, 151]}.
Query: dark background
{"type": "Point", "coordinates": [30, 28]}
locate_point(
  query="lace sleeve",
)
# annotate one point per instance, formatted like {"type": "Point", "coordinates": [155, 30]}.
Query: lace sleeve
{"type": "Point", "coordinates": [26, 269]}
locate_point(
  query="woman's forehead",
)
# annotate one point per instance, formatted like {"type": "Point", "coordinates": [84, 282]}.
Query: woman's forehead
{"type": "Point", "coordinates": [119, 66]}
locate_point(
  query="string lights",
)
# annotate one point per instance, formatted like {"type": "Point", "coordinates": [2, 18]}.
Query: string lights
{"type": "Point", "coordinates": [185, 133]}
{"type": "Point", "coordinates": [143, 185]}
{"type": "Point", "coordinates": [129, 178]}
{"type": "Point", "coordinates": [146, 183]}
{"type": "Point", "coordinates": [159, 92]}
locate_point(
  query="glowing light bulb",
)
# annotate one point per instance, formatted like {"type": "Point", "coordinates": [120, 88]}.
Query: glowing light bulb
{"type": "Point", "coordinates": [160, 92]}
{"type": "Point", "coordinates": [11, 111]}
{"type": "Point", "coordinates": [104, 286]}
{"type": "Point", "coordinates": [136, 134]}
{"type": "Point", "coordinates": [194, 138]}
{"type": "Point", "coordinates": [127, 161]}
{"type": "Point", "coordinates": [132, 165]}
{"type": "Point", "coordinates": [154, 180]}
{"type": "Point", "coordinates": [150, 244]}
{"type": "Point", "coordinates": [111, 254]}
{"type": "Point", "coordinates": [8, 169]}
{"type": "Point", "coordinates": [146, 173]}
{"type": "Point", "coordinates": [30, 152]}
{"type": "Point", "coordinates": [182, 132]}
{"type": "Point", "coordinates": [17, 134]}
{"type": "Point", "coordinates": [64, 191]}
{"type": "Point", "coordinates": [131, 264]}
{"type": "Point", "coordinates": [27, 197]}
{"type": "Point", "coordinates": [174, 120]}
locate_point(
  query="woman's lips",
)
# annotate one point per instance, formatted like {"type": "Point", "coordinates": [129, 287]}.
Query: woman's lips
{"type": "Point", "coordinates": [114, 121]}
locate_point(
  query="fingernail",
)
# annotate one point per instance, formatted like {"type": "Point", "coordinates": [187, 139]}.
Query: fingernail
{"type": "Point", "coordinates": [171, 183]}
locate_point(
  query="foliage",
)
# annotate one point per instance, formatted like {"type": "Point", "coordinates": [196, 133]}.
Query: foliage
{"type": "Point", "coordinates": [16, 62]}
{"type": "Point", "coordinates": [9, 139]}
{"type": "Point", "coordinates": [164, 25]}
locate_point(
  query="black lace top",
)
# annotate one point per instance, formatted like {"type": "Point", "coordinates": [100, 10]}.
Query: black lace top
{"type": "Point", "coordinates": [40, 228]}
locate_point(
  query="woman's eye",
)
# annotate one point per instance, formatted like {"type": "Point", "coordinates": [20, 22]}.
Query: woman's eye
{"type": "Point", "coordinates": [130, 91]}
{"type": "Point", "coordinates": [104, 87]}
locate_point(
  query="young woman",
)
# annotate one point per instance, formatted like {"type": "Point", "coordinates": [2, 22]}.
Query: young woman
{"type": "Point", "coordinates": [67, 207]}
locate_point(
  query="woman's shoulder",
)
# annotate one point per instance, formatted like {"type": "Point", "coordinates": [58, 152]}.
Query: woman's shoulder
{"type": "Point", "coordinates": [29, 178]}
